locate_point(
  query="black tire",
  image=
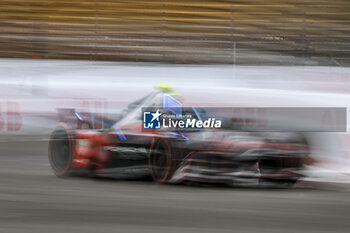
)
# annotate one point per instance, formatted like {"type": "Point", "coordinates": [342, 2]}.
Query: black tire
{"type": "Point", "coordinates": [271, 166]}
{"type": "Point", "coordinates": [160, 161]}
{"type": "Point", "coordinates": [61, 151]}
{"type": "Point", "coordinates": [278, 183]}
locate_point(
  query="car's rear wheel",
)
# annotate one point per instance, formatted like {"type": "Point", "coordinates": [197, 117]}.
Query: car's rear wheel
{"type": "Point", "coordinates": [160, 161]}
{"type": "Point", "coordinates": [60, 151]}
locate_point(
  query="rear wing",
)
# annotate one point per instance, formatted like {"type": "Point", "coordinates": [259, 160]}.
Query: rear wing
{"type": "Point", "coordinates": [83, 120]}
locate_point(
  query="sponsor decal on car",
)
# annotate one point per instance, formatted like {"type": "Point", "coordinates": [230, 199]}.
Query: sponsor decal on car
{"type": "Point", "coordinates": [124, 149]}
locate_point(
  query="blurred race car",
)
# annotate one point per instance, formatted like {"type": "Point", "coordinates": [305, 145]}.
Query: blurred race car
{"type": "Point", "coordinates": [123, 149]}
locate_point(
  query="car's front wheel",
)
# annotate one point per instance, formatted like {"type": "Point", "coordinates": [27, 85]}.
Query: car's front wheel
{"type": "Point", "coordinates": [160, 161]}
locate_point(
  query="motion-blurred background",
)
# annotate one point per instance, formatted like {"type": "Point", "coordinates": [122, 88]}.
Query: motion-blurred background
{"type": "Point", "coordinates": [270, 32]}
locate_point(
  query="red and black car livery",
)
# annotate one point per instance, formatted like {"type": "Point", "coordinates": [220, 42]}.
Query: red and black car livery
{"type": "Point", "coordinates": [122, 149]}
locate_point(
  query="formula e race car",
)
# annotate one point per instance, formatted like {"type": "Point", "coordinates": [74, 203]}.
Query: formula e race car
{"type": "Point", "coordinates": [123, 149]}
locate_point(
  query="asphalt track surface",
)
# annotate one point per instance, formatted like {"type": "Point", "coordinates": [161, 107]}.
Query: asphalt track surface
{"type": "Point", "coordinates": [32, 199]}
